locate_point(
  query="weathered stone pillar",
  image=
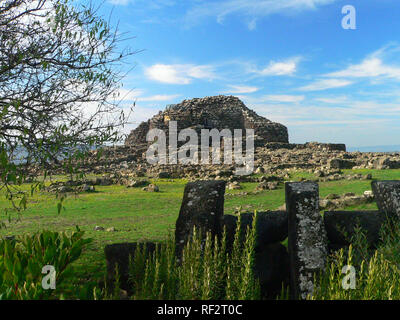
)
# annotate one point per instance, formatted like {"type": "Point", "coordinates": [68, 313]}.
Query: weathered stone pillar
{"type": "Point", "coordinates": [387, 195]}
{"type": "Point", "coordinates": [202, 207]}
{"type": "Point", "coordinates": [307, 237]}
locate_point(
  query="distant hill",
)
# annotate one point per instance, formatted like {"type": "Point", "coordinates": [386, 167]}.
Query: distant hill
{"type": "Point", "coordinates": [393, 148]}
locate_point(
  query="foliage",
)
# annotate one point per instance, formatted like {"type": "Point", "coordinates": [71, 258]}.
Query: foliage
{"type": "Point", "coordinates": [377, 271]}
{"type": "Point", "coordinates": [207, 270]}
{"type": "Point", "coordinates": [22, 260]}
{"type": "Point", "coordinates": [60, 75]}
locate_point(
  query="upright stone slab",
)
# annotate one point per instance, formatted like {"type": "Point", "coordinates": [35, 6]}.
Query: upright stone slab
{"type": "Point", "coordinates": [229, 223]}
{"type": "Point", "coordinates": [271, 264]}
{"type": "Point", "coordinates": [272, 226]}
{"type": "Point", "coordinates": [202, 207]}
{"type": "Point", "coordinates": [271, 267]}
{"type": "Point", "coordinates": [118, 254]}
{"type": "Point", "coordinates": [307, 237]}
{"type": "Point", "coordinates": [387, 195]}
{"type": "Point", "coordinates": [340, 226]}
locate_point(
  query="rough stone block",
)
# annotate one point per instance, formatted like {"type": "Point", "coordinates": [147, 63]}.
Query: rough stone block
{"type": "Point", "coordinates": [337, 222]}
{"type": "Point", "coordinates": [229, 223]}
{"type": "Point", "coordinates": [118, 254]}
{"type": "Point", "coordinates": [387, 196]}
{"type": "Point", "coordinates": [272, 227]}
{"type": "Point", "coordinates": [271, 258]}
{"type": "Point", "coordinates": [341, 164]}
{"type": "Point", "coordinates": [307, 236]}
{"type": "Point", "coordinates": [202, 207]}
{"type": "Point", "coordinates": [272, 269]}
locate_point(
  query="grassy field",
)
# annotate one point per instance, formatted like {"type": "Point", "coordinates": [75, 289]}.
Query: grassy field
{"type": "Point", "coordinates": [139, 215]}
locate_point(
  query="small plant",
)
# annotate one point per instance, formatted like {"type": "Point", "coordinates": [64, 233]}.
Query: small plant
{"type": "Point", "coordinates": [240, 279]}
{"type": "Point", "coordinates": [206, 271]}
{"type": "Point", "coordinates": [22, 260]}
{"type": "Point", "coordinates": [376, 273]}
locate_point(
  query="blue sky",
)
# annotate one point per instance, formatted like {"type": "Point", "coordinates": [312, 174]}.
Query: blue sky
{"type": "Point", "coordinates": [289, 60]}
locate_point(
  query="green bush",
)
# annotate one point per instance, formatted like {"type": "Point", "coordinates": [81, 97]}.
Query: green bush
{"type": "Point", "coordinates": [377, 271]}
{"type": "Point", "coordinates": [22, 260]}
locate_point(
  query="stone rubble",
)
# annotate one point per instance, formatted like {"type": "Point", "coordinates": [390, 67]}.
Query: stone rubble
{"type": "Point", "coordinates": [269, 161]}
{"type": "Point", "coordinates": [273, 152]}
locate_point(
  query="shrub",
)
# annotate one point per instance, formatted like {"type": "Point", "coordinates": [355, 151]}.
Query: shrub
{"type": "Point", "coordinates": [377, 272]}
{"type": "Point", "coordinates": [22, 260]}
{"type": "Point", "coordinates": [207, 271]}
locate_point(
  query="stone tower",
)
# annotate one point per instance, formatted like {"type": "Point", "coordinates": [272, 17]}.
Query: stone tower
{"type": "Point", "coordinates": [220, 112]}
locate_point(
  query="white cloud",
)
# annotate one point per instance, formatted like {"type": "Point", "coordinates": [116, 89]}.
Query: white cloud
{"type": "Point", "coordinates": [128, 95]}
{"type": "Point", "coordinates": [280, 68]}
{"type": "Point", "coordinates": [304, 112]}
{"type": "Point", "coordinates": [140, 114]}
{"type": "Point", "coordinates": [371, 67]}
{"type": "Point", "coordinates": [179, 73]}
{"type": "Point", "coordinates": [119, 2]}
{"type": "Point", "coordinates": [284, 98]}
{"type": "Point", "coordinates": [333, 100]}
{"type": "Point", "coordinates": [240, 89]}
{"type": "Point", "coordinates": [342, 122]}
{"type": "Point", "coordinates": [149, 4]}
{"type": "Point", "coordinates": [325, 84]}
{"type": "Point", "coordinates": [160, 97]}
{"type": "Point", "coordinates": [250, 8]}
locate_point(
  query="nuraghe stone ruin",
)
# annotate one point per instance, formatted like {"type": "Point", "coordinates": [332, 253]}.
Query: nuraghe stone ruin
{"type": "Point", "coordinates": [274, 155]}
{"type": "Point", "coordinates": [219, 112]}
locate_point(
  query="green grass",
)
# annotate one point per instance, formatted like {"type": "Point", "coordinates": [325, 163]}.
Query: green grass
{"type": "Point", "coordinates": [139, 215]}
